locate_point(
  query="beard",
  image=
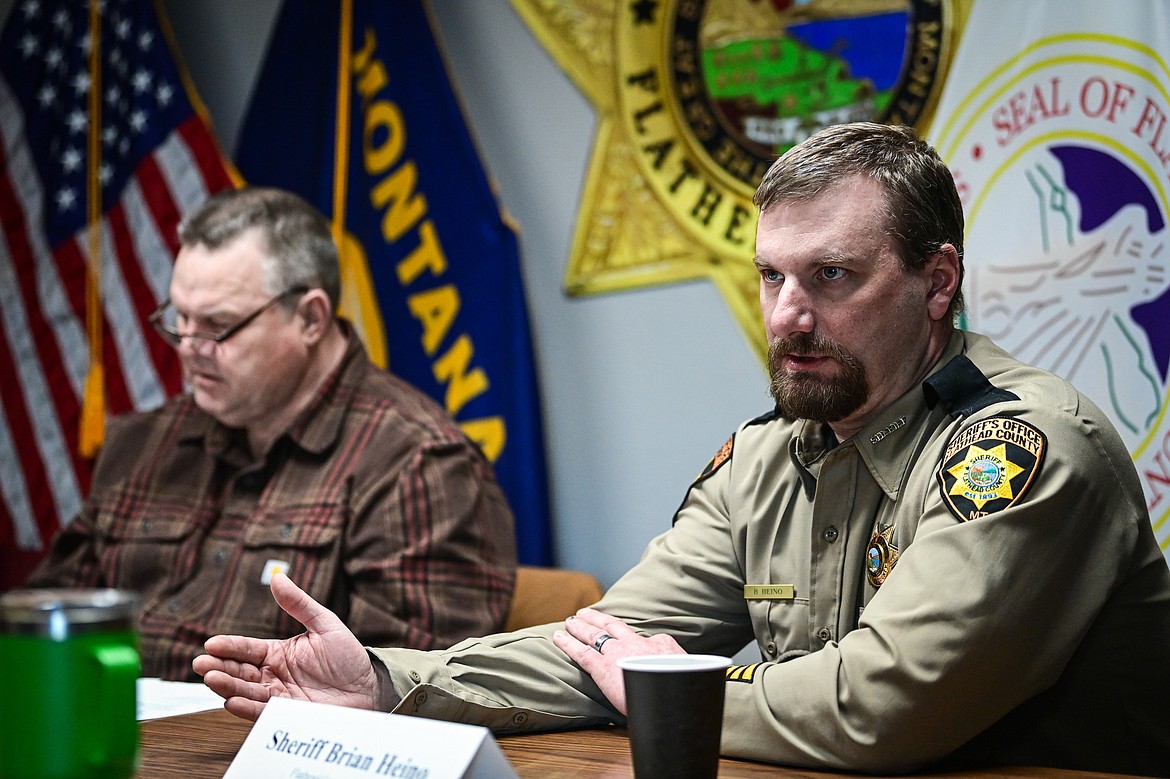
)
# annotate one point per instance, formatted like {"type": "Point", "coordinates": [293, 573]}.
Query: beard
{"type": "Point", "coordinates": [807, 395]}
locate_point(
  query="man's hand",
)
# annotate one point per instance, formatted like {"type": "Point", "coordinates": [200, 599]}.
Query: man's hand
{"type": "Point", "coordinates": [326, 663]}
{"type": "Point", "coordinates": [579, 640]}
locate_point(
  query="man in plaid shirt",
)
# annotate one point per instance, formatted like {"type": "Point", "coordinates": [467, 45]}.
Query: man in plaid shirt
{"type": "Point", "coordinates": [291, 453]}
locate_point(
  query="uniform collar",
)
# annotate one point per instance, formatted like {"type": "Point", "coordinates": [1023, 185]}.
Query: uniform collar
{"type": "Point", "coordinates": [891, 442]}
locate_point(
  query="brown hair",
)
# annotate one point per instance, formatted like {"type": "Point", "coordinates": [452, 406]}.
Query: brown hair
{"type": "Point", "coordinates": [297, 238]}
{"type": "Point", "coordinates": [922, 206]}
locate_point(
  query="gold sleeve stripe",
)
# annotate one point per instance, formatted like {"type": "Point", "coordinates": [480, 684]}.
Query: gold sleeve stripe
{"type": "Point", "coordinates": [742, 673]}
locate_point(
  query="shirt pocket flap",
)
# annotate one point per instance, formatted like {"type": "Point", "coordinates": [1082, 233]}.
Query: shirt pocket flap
{"type": "Point", "coordinates": [293, 532]}
{"type": "Point", "coordinates": [154, 529]}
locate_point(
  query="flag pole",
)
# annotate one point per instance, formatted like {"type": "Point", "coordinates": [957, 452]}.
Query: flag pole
{"type": "Point", "coordinates": [92, 424]}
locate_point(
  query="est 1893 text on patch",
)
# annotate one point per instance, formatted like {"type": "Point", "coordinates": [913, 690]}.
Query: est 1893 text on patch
{"type": "Point", "coordinates": [989, 466]}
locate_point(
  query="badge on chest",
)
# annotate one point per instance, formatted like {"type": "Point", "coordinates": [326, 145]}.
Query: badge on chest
{"type": "Point", "coordinates": [881, 556]}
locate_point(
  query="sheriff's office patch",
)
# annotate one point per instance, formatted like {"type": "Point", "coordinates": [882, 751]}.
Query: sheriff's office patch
{"type": "Point", "coordinates": [989, 466]}
{"type": "Point", "coordinates": [722, 456]}
{"type": "Point", "coordinates": [742, 673]}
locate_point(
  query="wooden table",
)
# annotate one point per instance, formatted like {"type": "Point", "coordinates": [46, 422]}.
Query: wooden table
{"type": "Point", "coordinates": [201, 746]}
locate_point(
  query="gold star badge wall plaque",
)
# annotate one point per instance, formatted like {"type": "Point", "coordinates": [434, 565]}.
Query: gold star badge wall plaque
{"type": "Point", "coordinates": [695, 98]}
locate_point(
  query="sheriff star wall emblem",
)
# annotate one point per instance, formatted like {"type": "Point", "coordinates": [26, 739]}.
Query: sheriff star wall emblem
{"type": "Point", "coordinates": [989, 466]}
{"type": "Point", "coordinates": [695, 98]}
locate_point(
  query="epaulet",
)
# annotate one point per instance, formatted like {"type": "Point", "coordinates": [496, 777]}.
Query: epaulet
{"type": "Point", "coordinates": [963, 389]}
{"type": "Point", "coordinates": [764, 418]}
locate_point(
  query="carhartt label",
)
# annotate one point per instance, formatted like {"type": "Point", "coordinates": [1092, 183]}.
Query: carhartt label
{"type": "Point", "coordinates": [271, 568]}
{"type": "Point", "coordinates": [769, 591]}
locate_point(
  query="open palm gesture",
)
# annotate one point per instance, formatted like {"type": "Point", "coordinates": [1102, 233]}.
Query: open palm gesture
{"type": "Point", "coordinates": [325, 664]}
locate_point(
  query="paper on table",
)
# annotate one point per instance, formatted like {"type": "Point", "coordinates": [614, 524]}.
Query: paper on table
{"type": "Point", "coordinates": [157, 698]}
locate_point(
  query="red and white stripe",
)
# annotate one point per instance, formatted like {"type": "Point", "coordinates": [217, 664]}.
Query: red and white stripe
{"type": "Point", "coordinates": [44, 352]}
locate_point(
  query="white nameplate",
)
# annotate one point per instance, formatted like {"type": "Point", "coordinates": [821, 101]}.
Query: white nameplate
{"type": "Point", "coordinates": [301, 740]}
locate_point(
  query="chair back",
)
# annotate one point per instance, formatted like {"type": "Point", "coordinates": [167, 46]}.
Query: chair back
{"type": "Point", "coordinates": [546, 595]}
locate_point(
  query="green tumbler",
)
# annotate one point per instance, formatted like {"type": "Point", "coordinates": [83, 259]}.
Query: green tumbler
{"type": "Point", "coordinates": [68, 669]}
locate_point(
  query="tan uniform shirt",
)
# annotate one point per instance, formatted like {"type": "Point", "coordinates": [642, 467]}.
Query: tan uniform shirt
{"type": "Point", "coordinates": [1026, 620]}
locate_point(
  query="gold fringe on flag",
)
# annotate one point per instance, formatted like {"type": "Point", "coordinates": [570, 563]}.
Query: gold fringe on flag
{"type": "Point", "coordinates": [359, 302]}
{"type": "Point", "coordinates": [341, 132]}
{"type": "Point", "coordinates": [93, 402]}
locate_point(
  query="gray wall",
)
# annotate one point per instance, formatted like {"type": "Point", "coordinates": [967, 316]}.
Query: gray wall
{"type": "Point", "coordinates": [640, 387]}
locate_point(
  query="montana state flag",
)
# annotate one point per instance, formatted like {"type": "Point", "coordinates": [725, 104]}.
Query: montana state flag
{"type": "Point", "coordinates": [430, 268]}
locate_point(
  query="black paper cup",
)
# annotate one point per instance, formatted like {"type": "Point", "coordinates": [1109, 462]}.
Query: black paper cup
{"type": "Point", "coordinates": [675, 714]}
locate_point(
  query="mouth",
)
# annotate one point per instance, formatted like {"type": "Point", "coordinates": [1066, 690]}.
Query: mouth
{"type": "Point", "coordinates": [806, 353]}
{"type": "Point", "coordinates": [202, 379]}
{"type": "Point", "coordinates": [795, 361]}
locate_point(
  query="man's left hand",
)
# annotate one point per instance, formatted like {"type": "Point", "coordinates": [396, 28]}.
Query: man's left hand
{"type": "Point", "coordinates": [584, 639]}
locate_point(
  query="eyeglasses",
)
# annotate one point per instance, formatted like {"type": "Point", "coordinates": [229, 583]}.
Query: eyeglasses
{"type": "Point", "coordinates": [164, 320]}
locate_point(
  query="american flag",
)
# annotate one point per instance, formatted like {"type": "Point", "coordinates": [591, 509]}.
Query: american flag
{"type": "Point", "coordinates": [158, 159]}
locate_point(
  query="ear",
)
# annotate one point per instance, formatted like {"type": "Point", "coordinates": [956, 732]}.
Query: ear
{"type": "Point", "coordinates": [316, 314]}
{"type": "Point", "coordinates": [943, 269]}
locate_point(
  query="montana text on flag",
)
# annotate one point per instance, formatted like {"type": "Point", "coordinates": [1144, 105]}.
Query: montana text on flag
{"type": "Point", "coordinates": [157, 160]}
{"type": "Point", "coordinates": [1055, 120]}
{"type": "Point", "coordinates": [422, 225]}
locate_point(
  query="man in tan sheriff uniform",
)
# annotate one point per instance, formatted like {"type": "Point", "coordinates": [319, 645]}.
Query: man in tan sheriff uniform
{"type": "Point", "coordinates": [942, 554]}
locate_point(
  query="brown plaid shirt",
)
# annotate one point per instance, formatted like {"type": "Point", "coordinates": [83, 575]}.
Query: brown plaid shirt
{"type": "Point", "coordinates": [376, 502]}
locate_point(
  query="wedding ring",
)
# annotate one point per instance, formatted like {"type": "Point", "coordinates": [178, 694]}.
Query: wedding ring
{"type": "Point", "coordinates": [599, 642]}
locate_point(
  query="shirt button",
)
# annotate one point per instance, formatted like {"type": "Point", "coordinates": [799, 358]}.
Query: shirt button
{"type": "Point", "coordinates": [221, 555]}
{"type": "Point", "coordinates": [420, 699]}
{"type": "Point", "coordinates": [286, 530]}
{"type": "Point", "coordinates": [830, 534]}
{"type": "Point", "coordinates": [173, 605]}
{"type": "Point", "coordinates": [770, 648]}
{"type": "Point", "coordinates": [415, 677]}
{"type": "Point", "coordinates": [147, 525]}
{"type": "Point", "coordinates": [824, 634]}
{"type": "Point", "coordinates": [520, 718]}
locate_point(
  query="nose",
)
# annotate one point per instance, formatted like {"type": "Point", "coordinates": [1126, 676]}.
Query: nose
{"type": "Point", "coordinates": [788, 311]}
{"type": "Point", "coordinates": [193, 345]}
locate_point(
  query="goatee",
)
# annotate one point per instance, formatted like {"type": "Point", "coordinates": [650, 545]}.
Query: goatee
{"type": "Point", "coordinates": [807, 395]}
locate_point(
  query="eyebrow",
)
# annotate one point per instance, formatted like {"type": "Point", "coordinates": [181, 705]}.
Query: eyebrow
{"type": "Point", "coordinates": [819, 262]}
{"type": "Point", "coordinates": [216, 313]}
{"type": "Point", "coordinates": [834, 259]}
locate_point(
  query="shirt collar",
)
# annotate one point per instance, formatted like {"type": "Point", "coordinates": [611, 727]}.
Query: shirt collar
{"type": "Point", "coordinates": [891, 441]}
{"type": "Point", "coordinates": [319, 426]}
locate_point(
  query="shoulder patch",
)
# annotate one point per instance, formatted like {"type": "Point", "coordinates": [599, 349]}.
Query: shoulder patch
{"type": "Point", "coordinates": [989, 466]}
{"type": "Point", "coordinates": [716, 462]}
{"type": "Point", "coordinates": [743, 673]}
{"type": "Point", "coordinates": [963, 389]}
{"type": "Point", "coordinates": [722, 456]}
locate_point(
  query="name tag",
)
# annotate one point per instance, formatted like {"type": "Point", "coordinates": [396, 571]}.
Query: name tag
{"type": "Point", "coordinates": [769, 591]}
{"type": "Point", "coordinates": [322, 741]}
